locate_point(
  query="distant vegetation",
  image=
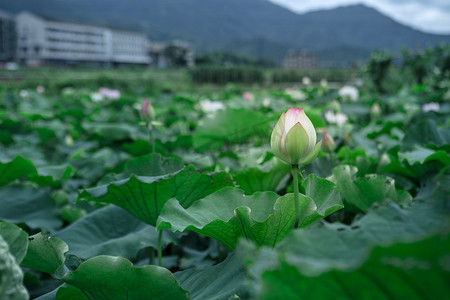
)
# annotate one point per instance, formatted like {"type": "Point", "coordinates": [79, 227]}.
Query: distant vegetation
{"type": "Point", "coordinates": [228, 58]}
{"type": "Point", "coordinates": [223, 75]}
{"type": "Point", "coordinates": [251, 27]}
{"type": "Point", "coordinates": [383, 75]}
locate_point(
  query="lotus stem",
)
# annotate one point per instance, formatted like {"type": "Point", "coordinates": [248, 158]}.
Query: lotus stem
{"type": "Point", "coordinates": [151, 255]}
{"type": "Point", "coordinates": [160, 248]}
{"type": "Point", "coordinates": [152, 139]}
{"type": "Point", "coordinates": [295, 173]}
{"type": "Point", "coordinates": [332, 159]}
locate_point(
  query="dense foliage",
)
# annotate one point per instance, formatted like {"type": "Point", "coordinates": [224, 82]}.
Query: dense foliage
{"type": "Point", "coordinates": [227, 58]}
{"type": "Point", "coordinates": [223, 75]}
{"type": "Point", "coordinates": [84, 201]}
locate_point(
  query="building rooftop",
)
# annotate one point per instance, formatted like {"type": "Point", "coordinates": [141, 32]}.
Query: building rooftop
{"type": "Point", "coordinates": [53, 19]}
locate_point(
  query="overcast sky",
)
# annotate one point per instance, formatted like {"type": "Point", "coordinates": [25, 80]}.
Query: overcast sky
{"type": "Point", "coordinates": [426, 15]}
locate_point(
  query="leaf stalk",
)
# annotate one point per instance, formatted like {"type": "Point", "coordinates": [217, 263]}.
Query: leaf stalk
{"type": "Point", "coordinates": [295, 173]}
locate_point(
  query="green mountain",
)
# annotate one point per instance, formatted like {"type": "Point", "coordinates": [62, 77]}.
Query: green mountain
{"type": "Point", "coordinates": [257, 27]}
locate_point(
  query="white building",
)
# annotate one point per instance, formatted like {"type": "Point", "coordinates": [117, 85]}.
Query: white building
{"type": "Point", "coordinates": [129, 47]}
{"type": "Point", "coordinates": [46, 40]}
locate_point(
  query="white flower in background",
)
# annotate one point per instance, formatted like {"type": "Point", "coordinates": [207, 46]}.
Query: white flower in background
{"type": "Point", "coordinates": [109, 93]}
{"type": "Point", "coordinates": [306, 80]}
{"type": "Point", "coordinates": [296, 94]}
{"type": "Point", "coordinates": [339, 118]}
{"type": "Point", "coordinates": [97, 97]}
{"type": "Point", "coordinates": [211, 106]}
{"type": "Point", "coordinates": [330, 117]}
{"type": "Point", "coordinates": [349, 92]}
{"type": "Point", "coordinates": [24, 94]}
{"type": "Point", "coordinates": [432, 106]}
{"type": "Point", "coordinates": [40, 89]}
{"type": "Point", "coordinates": [323, 83]}
{"type": "Point", "coordinates": [68, 140]}
{"type": "Point", "coordinates": [68, 91]}
{"type": "Point", "coordinates": [266, 102]}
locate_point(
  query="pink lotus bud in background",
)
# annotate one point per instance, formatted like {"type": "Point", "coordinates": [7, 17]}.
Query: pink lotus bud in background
{"type": "Point", "coordinates": [432, 106]}
{"type": "Point", "coordinates": [147, 112]}
{"type": "Point", "coordinates": [294, 138]}
{"type": "Point", "coordinates": [247, 96]}
{"type": "Point", "coordinates": [375, 110]}
{"type": "Point", "coordinates": [328, 142]}
{"type": "Point", "coordinates": [109, 93]}
{"type": "Point", "coordinates": [40, 89]}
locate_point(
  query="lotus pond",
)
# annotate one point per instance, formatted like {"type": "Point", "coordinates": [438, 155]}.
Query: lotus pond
{"type": "Point", "coordinates": [184, 198]}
